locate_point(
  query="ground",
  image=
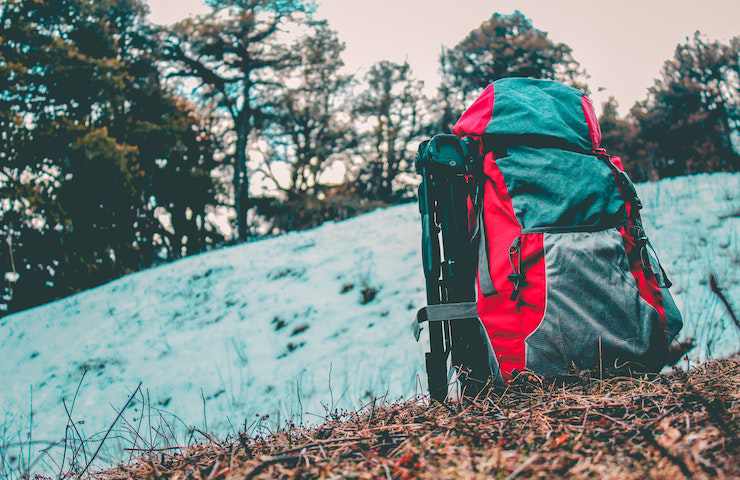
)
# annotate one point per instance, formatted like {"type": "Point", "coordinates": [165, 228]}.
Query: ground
{"type": "Point", "coordinates": [679, 425]}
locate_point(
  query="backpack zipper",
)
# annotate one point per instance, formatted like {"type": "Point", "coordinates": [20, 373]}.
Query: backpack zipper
{"type": "Point", "coordinates": [572, 229]}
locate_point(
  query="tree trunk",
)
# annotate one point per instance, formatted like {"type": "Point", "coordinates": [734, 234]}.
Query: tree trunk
{"type": "Point", "coordinates": [241, 182]}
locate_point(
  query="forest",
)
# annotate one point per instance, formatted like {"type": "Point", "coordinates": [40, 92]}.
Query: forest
{"type": "Point", "coordinates": [124, 144]}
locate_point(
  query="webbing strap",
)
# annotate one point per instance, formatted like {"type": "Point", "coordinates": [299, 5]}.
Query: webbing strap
{"type": "Point", "coordinates": [629, 194]}
{"type": "Point", "coordinates": [444, 312]}
{"type": "Point", "coordinates": [484, 273]}
{"type": "Point", "coordinates": [626, 188]}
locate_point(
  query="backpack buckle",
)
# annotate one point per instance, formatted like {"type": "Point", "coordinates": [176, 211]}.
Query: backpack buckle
{"type": "Point", "coordinates": [638, 233]}
{"type": "Point", "coordinates": [600, 152]}
{"type": "Point", "coordinates": [629, 192]}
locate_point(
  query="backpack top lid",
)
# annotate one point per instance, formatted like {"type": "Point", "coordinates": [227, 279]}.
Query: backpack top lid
{"type": "Point", "coordinates": [542, 109]}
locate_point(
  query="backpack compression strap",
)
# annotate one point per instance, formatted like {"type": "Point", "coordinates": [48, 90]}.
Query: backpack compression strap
{"type": "Point", "coordinates": [444, 312]}
{"type": "Point", "coordinates": [629, 194]}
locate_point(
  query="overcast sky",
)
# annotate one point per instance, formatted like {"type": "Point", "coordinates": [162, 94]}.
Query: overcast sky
{"type": "Point", "coordinates": [622, 44]}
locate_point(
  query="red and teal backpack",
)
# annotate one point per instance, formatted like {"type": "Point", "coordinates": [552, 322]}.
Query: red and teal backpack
{"type": "Point", "coordinates": [567, 274]}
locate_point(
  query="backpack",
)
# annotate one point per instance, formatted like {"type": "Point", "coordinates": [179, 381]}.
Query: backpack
{"type": "Point", "coordinates": [566, 277]}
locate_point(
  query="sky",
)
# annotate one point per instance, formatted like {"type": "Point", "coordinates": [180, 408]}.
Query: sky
{"type": "Point", "coordinates": [621, 44]}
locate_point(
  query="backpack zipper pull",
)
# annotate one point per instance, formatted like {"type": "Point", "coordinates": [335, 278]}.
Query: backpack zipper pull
{"type": "Point", "coordinates": [515, 260]}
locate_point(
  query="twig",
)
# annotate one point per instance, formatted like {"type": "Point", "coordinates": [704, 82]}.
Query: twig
{"type": "Point", "coordinates": [208, 436]}
{"type": "Point", "coordinates": [64, 454]}
{"type": "Point", "coordinates": [271, 461]}
{"type": "Point", "coordinates": [319, 443]}
{"type": "Point", "coordinates": [120, 412]}
{"type": "Point", "coordinates": [523, 466]}
{"type": "Point", "coordinates": [714, 286]}
{"type": "Point", "coordinates": [158, 449]}
{"type": "Point", "coordinates": [74, 427]}
{"type": "Point", "coordinates": [205, 417]}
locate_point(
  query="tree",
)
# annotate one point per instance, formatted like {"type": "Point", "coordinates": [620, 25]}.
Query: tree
{"type": "Point", "coordinates": [692, 111]}
{"type": "Point", "coordinates": [234, 54]}
{"type": "Point", "coordinates": [99, 152]}
{"type": "Point", "coordinates": [503, 46]}
{"type": "Point", "coordinates": [310, 129]}
{"type": "Point", "coordinates": [60, 95]}
{"type": "Point", "coordinates": [393, 108]}
{"type": "Point", "coordinates": [308, 138]}
{"type": "Point", "coordinates": [621, 136]}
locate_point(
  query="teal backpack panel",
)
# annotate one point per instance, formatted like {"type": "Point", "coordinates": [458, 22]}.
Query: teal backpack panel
{"type": "Point", "coordinates": [541, 108]}
{"type": "Point", "coordinates": [553, 188]}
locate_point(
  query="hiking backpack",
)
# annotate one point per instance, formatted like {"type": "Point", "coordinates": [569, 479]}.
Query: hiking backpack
{"type": "Point", "coordinates": [564, 276]}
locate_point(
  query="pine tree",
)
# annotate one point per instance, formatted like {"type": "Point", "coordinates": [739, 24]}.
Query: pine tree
{"type": "Point", "coordinates": [692, 113]}
{"type": "Point", "coordinates": [503, 46]}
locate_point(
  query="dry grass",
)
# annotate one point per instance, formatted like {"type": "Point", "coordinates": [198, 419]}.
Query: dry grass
{"type": "Point", "coordinates": [668, 426]}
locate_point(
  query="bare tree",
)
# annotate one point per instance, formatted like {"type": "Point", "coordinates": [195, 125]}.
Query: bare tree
{"type": "Point", "coordinates": [393, 108]}
{"type": "Point", "coordinates": [234, 53]}
{"type": "Point", "coordinates": [311, 129]}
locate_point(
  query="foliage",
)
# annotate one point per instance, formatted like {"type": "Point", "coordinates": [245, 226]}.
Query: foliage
{"type": "Point", "coordinates": [99, 154]}
{"type": "Point", "coordinates": [123, 144]}
{"type": "Point", "coordinates": [393, 107]}
{"type": "Point", "coordinates": [309, 130]}
{"type": "Point", "coordinates": [689, 121]}
{"type": "Point", "coordinates": [503, 46]}
{"type": "Point", "coordinates": [621, 136]}
{"type": "Point", "coordinates": [305, 210]}
{"type": "Point", "coordinates": [693, 109]}
{"type": "Point", "coordinates": [235, 53]}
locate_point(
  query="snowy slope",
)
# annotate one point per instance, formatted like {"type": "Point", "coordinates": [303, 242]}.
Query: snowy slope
{"type": "Point", "coordinates": [281, 326]}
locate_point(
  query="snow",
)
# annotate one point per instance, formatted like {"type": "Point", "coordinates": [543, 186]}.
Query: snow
{"type": "Point", "coordinates": [280, 326]}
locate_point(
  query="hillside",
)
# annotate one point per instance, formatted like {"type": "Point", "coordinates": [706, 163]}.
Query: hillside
{"type": "Point", "coordinates": [666, 427]}
{"type": "Point", "coordinates": [299, 325]}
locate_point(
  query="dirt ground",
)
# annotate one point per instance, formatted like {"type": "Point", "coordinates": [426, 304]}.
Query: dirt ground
{"type": "Point", "coordinates": [680, 425]}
